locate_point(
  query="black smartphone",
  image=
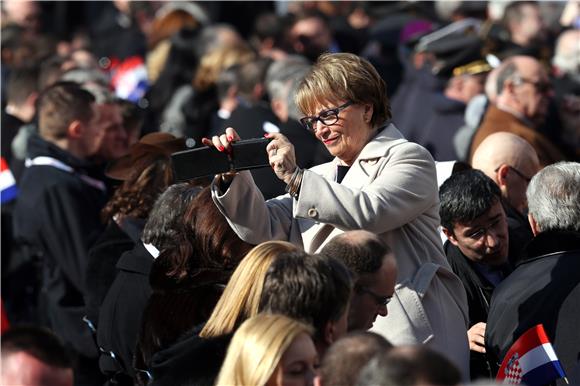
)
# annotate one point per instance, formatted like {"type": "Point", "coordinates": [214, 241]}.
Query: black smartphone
{"type": "Point", "coordinates": [208, 161]}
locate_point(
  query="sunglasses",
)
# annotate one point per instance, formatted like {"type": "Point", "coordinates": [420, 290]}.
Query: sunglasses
{"type": "Point", "coordinates": [380, 300]}
{"type": "Point", "coordinates": [327, 117]}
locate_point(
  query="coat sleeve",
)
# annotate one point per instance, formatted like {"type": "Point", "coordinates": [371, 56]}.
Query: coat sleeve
{"type": "Point", "coordinates": [404, 188]}
{"type": "Point", "coordinates": [252, 218]}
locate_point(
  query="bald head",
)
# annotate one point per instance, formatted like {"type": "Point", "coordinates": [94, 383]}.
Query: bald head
{"type": "Point", "coordinates": [363, 252]}
{"type": "Point", "coordinates": [509, 161]}
{"type": "Point", "coordinates": [504, 148]}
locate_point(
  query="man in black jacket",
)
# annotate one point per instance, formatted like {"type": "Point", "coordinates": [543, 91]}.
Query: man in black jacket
{"type": "Point", "coordinates": [545, 286]}
{"type": "Point", "coordinates": [56, 217]}
{"type": "Point", "coordinates": [473, 219]}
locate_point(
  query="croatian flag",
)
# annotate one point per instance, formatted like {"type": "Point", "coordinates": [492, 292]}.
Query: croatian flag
{"type": "Point", "coordinates": [531, 360]}
{"type": "Point", "coordinates": [8, 190]}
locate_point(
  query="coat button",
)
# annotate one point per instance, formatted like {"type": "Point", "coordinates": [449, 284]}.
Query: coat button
{"type": "Point", "coordinates": [312, 212]}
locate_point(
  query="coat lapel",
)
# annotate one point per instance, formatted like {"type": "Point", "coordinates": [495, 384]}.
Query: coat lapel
{"type": "Point", "coordinates": [363, 171]}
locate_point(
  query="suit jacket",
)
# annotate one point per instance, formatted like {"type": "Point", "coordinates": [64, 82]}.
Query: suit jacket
{"type": "Point", "coordinates": [497, 120]}
{"type": "Point", "coordinates": [544, 288]}
{"type": "Point", "coordinates": [391, 190]}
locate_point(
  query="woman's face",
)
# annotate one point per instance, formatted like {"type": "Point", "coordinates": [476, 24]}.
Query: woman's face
{"type": "Point", "coordinates": [352, 131]}
{"type": "Point", "coordinates": [298, 364]}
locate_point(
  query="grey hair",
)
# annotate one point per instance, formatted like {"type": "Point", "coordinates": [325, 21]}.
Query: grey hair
{"type": "Point", "coordinates": [282, 81]}
{"type": "Point", "coordinates": [509, 71]}
{"type": "Point", "coordinates": [166, 217]}
{"type": "Point", "coordinates": [554, 197]}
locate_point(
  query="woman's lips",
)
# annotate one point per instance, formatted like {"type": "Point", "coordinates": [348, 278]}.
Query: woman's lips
{"type": "Point", "coordinates": [330, 140]}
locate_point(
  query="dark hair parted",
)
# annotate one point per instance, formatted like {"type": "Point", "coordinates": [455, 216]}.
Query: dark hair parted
{"type": "Point", "coordinates": [38, 342]}
{"type": "Point", "coordinates": [344, 77]}
{"type": "Point", "coordinates": [313, 288]}
{"type": "Point", "coordinates": [465, 196]}
{"type": "Point", "coordinates": [60, 105]}
{"type": "Point", "coordinates": [361, 255]}
{"type": "Point", "coordinates": [136, 196]}
{"type": "Point", "coordinates": [204, 240]}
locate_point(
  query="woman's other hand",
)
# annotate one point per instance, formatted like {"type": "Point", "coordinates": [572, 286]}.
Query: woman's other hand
{"type": "Point", "coordinates": [224, 141]}
{"type": "Point", "coordinates": [281, 156]}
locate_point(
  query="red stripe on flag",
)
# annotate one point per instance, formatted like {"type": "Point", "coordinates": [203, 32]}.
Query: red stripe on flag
{"type": "Point", "coordinates": [534, 337]}
{"type": "Point", "coordinates": [3, 164]}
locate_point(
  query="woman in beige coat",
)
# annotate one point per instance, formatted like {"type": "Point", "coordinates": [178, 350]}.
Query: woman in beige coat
{"type": "Point", "coordinates": [378, 181]}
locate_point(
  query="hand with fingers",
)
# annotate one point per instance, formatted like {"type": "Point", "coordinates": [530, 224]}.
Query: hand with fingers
{"type": "Point", "coordinates": [223, 143]}
{"type": "Point", "coordinates": [281, 156]}
{"type": "Point", "coordinates": [475, 336]}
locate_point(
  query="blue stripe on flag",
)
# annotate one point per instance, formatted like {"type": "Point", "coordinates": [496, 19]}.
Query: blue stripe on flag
{"type": "Point", "coordinates": [8, 194]}
{"type": "Point", "coordinates": [544, 374]}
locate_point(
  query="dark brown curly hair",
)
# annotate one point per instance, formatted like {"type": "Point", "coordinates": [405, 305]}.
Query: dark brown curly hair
{"type": "Point", "coordinates": [136, 195]}
{"type": "Point", "coordinates": [205, 242]}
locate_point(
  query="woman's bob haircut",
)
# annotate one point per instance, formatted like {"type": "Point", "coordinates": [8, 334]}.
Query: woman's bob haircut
{"type": "Point", "coordinates": [344, 77]}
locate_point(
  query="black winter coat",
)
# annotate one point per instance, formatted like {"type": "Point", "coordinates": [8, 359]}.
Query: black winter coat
{"type": "Point", "coordinates": [544, 288]}
{"type": "Point", "coordinates": [57, 217]}
{"type": "Point", "coordinates": [120, 313]}
{"type": "Point", "coordinates": [479, 292]}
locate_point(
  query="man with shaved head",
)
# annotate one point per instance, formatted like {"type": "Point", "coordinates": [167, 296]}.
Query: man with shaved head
{"type": "Point", "coordinates": [521, 106]}
{"type": "Point", "coordinates": [510, 161]}
{"type": "Point", "coordinates": [370, 259]}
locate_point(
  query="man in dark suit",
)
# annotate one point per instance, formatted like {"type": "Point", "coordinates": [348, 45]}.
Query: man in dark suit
{"type": "Point", "coordinates": [545, 287]}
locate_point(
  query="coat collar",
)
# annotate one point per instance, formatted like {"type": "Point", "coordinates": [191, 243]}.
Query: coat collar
{"type": "Point", "coordinates": [549, 242]}
{"type": "Point", "coordinates": [377, 147]}
{"type": "Point", "coordinates": [38, 146]}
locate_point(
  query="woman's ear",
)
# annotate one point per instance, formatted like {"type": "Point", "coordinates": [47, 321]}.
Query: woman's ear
{"type": "Point", "coordinates": [368, 113]}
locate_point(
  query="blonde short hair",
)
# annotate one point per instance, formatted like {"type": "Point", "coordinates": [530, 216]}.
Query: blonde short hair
{"type": "Point", "coordinates": [257, 347]}
{"type": "Point", "coordinates": [241, 297]}
{"type": "Point", "coordinates": [344, 76]}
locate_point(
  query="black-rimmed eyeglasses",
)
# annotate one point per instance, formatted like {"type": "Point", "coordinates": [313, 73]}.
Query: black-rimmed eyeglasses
{"type": "Point", "coordinates": [380, 300]}
{"type": "Point", "coordinates": [327, 117]}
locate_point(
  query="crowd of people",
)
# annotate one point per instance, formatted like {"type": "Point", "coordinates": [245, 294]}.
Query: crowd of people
{"type": "Point", "coordinates": [421, 211]}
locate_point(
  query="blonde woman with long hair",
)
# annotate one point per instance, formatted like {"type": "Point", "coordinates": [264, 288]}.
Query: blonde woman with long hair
{"type": "Point", "coordinates": [270, 350]}
{"type": "Point", "coordinates": [241, 297]}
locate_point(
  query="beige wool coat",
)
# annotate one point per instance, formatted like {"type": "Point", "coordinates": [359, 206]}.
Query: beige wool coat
{"type": "Point", "coordinates": [391, 190]}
